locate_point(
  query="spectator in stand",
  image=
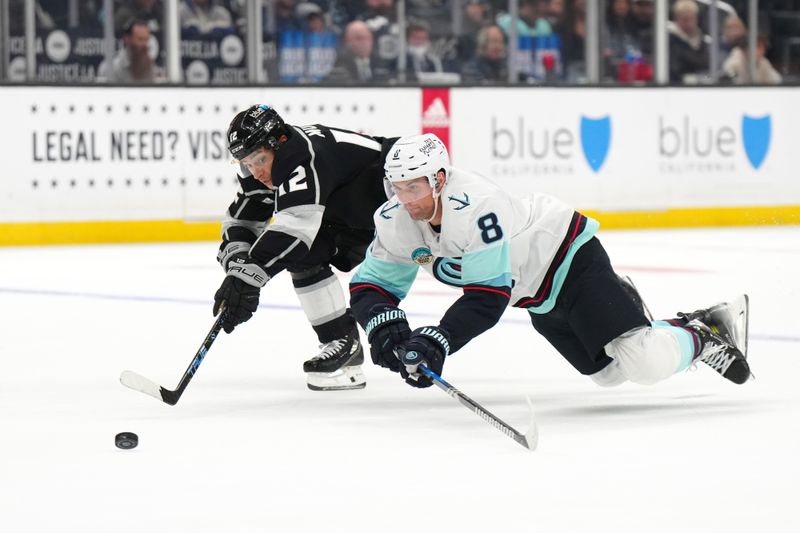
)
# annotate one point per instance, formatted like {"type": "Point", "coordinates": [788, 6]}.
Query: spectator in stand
{"type": "Point", "coordinates": [204, 17]}
{"type": "Point", "coordinates": [312, 17]}
{"type": "Point", "coordinates": [315, 22]}
{"type": "Point", "coordinates": [380, 16]}
{"type": "Point", "coordinates": [623, 52]}
{"type": "Point", "coordinates": [531, 22]}
{"type": "Point", "coordinates": [133, 63]}
{"type": "Point", "coordinates": [620, 31]}
{"type": "Point", "coordinates": [437, 14]}
{"type": "Point", "coordinates": [342, 12]}
{"type": "Point", "coordinates": [356, 62]}
{"type": "Point", "coordinates": [320, 39]}
{"type": "Point", "coordinates": [555, 13]}
{"type": "Point", "coordinates": [149, 11]}
{"type": "Point", "coordinates": [477, 15]}
{"type": "Point", "coordinates": [733, 32]}
{"type": "Point", "coordinates": [737, 68]}
{"type": "Point", "coordinates": [573, 39]}
{"type": "Point", "coordinates": [420, 61]}
{"type": "Point", "coordinates": [642, 15]}
{"type": "Point", "coordinates": [286, 16]}
{"type": "Point", "coordinates": [688, 50]}
{"type": "Point", "coordinates": [490, 64]}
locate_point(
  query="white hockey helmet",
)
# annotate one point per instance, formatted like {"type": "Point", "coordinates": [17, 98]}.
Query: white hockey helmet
{"type": "Point", "coordinates": [417, 156]}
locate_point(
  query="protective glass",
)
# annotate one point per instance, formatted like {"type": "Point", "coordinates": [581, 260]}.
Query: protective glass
{"type": "Point", "coordinates": [412, 190]}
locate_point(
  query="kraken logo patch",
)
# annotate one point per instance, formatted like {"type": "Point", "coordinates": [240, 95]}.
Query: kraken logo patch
{"type": "Point", "coordinates": [422, 256]}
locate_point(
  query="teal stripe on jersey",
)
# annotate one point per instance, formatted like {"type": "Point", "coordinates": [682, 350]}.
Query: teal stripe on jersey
{"type": "Point", "coordinates": [394, 277]}
{"type": "Point", "coordinates": [490, 266]}
{"type": "Point", "coordinates": [561, 272]}
{"type": "Point", "coordinates": [685, 340]}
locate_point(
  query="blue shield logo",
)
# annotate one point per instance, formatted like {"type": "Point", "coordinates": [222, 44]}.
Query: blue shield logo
{"type": "Point", "coordinates": [756, 133]}
{"type": "Point", "coordinates": [595, 140]}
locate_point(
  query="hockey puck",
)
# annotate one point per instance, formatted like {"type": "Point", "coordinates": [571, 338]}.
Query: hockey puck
{"type": "Point", "coordinates": [126, 441]}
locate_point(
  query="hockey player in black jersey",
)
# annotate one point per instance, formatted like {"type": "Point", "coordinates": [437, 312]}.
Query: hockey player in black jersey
{"type": "Point", "coordinates": [320, 186]}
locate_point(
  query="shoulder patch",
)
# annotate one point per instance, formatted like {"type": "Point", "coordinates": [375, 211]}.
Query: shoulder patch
{"type": "Point", "coordinates": [461, 203]}
{"type": "Point", "coordinates": [422, 255]}
{"type": "Point", "coordinates": [386, 208]}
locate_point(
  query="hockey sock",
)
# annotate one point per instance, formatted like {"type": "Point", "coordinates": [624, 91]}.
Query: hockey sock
{"type": "Point", "coordinates": [690, 344]}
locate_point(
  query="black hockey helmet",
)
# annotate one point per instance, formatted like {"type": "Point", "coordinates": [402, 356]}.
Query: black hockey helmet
{"type": "Point", "coordinates": [256, 126]}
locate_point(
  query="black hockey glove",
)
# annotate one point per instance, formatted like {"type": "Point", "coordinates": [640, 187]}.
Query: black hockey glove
{"type": "Point", "coordinates": [386, 329]}
{"type": "Point", "coordinates": [240, 291]}
{"type": "Point", "coordinates": [427, 346]}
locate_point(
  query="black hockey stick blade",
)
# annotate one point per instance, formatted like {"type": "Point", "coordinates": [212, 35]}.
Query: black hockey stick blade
{"type": "Point", "coordinates": [530, 439]}
{"type": "Point", "coordinates": [137, 382]}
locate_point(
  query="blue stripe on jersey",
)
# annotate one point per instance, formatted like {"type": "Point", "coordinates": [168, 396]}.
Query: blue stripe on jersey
{"type": "Point", "coordinates": [561, 272]}
{"type": "Point", "coordinates": [448, 270]}
{"type": "Point", "coordinates": [394, 277]}
{"type": "Point", "coordinates": [685, 340]}
{"type": "Point", "coordinates": [489, 266]}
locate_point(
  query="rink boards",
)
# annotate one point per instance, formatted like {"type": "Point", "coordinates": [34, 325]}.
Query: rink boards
{"type": "Point", "coordinates": [96, 164]}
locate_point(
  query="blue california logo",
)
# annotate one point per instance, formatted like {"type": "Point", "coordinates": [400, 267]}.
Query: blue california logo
{"type": "Point", "coordinates": [595, 140]}
{"type": "Point", "coordinates": [684, 140]}
{"type": "Point", "coordinates": [756, 134]}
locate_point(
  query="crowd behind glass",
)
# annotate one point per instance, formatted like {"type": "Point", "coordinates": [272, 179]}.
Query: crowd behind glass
{"type": "Point", "coordinates": [398, 42]}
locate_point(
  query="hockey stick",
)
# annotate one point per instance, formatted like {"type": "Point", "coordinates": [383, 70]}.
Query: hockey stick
{"type": "Point", "coordinates": [135, 381]}
{"type": "Point", "coordinates": [531, 437]}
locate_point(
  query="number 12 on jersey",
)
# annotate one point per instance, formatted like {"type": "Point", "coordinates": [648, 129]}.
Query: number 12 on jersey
{"type": "Point", "coordinates": [297, 182]}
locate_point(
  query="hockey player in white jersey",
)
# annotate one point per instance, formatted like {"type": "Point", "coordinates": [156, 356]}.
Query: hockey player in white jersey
{"type": "Point", "coordinates": [535, 253]}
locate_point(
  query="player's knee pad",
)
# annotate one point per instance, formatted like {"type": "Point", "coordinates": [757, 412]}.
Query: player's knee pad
{"type": "Point", "coordinates": [610, 376]}
{"type": "Point", "coordinates": [645, 355]}
{"type": "Point", "coordinates": [323, 299]}
{"type": "Point", "coordinates": [311, 275]}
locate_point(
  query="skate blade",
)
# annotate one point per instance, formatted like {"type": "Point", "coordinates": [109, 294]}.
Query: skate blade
{"type": "Point", "coordinates": [347, 378]}
{"type": "Point", "coordinates": [336, 387]}
{"type": "Point", "coordinates": [737, 321]}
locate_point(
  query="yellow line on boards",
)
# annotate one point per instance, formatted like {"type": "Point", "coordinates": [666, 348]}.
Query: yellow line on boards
{"type": "Point", "coordinates": [702, 217]}
{"type": "Point", "coordinates": [36, 233]}
{"type": "Point", "coordinates": [27, 233]}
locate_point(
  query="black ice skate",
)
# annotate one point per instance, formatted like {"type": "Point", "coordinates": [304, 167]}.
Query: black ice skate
{"type": "Point", "coordinates": [723, 331]}
{"type": "Point", "coordinates": [338, 365]}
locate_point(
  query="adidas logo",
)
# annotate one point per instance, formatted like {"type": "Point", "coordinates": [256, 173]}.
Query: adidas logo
{"type": "Point", "coordinates": [436, 116]}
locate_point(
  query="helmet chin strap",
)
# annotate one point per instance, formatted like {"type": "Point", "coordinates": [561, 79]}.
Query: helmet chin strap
{"type": "Point", "coordinates": [436, 193]}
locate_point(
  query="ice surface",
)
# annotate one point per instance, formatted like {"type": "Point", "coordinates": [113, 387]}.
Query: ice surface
{"type": "Point", "coordinates": [250, 448]}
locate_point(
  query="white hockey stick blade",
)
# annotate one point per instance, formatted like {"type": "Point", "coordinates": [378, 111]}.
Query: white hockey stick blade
{"type": "Point", "coordinates": [532, 435]}
{"type": "Point", "coordinates": [135, 381]}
